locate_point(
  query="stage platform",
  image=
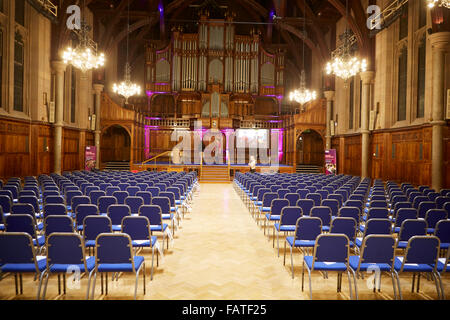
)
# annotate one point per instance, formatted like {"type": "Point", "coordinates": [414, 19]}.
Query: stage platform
{"type": "Point", "coordinates": [166, 166]}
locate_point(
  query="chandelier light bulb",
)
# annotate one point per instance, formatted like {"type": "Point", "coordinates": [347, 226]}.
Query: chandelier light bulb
{"type": "Point", "coordinates": [346, 67]}
{"type": "Point", "coordinates": [84, 56]}
{"type": "Point", "coordinates": [302, 95]}
{"type": "Point", "coordinates": [439, 3]}
{"type": "Point", "coordinates": [126, 88]}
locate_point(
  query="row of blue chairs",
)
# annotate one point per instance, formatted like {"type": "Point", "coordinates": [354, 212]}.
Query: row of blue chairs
{"type": "Point", "coordinates": [308, 221]}
{"type": "Point", "coordinates": [138, 219]}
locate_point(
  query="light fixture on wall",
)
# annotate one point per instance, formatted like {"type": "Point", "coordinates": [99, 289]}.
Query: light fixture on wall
{"type": "Point", "coordinates": [439, 3]}
{"type": "Point", "coordinates": [84, 56]}
{"type": "Point", "coordinates": [303, 95]}
{"type": "Point", "coordinates": [126, 88]}
{"type": "Point", "coordinates": [343, 63]}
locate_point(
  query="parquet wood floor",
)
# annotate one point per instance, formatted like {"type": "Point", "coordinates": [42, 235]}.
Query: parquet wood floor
{"type": "Point", "coordinates": [219, 252]}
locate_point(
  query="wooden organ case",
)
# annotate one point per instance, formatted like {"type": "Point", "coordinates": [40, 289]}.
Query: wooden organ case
{"type": "Point", "coordinates": [214, 75]}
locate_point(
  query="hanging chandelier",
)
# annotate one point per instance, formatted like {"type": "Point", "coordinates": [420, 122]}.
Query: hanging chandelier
{"type": "Point", "coordinates": [126, 88]}
{"type": "Point", "coordinates": [343, 63]}
{"type": "Point", "coordinates": [303, 95]}
{"type": "Point", "coordinates": [439, 3]}
{"type": "Point", "coordinates": [84, 56]}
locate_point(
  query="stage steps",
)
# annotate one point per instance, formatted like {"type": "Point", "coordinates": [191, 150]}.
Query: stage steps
{"type": "Point", "coordinates": [306, 168]}
{"type": "Point", "coordinates": [117, 165]}
{"type": "Point", "coordinates": [215, 174]}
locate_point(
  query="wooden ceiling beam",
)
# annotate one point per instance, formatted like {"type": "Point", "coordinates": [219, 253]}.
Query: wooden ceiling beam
{"type": "Point", "coordinates": [299, 34]}
{"type": "Point", "coordinates": [308, 13]}
{"type": "Point", "coordinates": [351, 21]}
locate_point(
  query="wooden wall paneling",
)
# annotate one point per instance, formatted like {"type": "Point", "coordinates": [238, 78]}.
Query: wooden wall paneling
{"type": "Point", "coordinates": [70, 150]}
{"type": "Point", "coordinates": [82, 147]}
{"type": "Point", "coordinates": [34, 148]}
{"type": "Point", "coordinates": [45, 150]}
{"type": "Point", "coordinates": [402, 155]}
{"type": "Point", "coordinates": [14, 149]}
{"type": "Point", "coordinates": [352, 158]}
{"type": "Point", "coordinates": [447, 156]}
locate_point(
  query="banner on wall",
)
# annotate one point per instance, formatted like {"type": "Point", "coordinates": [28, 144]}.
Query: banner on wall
{"type": "Point", "coordinates": [330, 161]}
{"type": "Point", "coordinates": [90, 157]}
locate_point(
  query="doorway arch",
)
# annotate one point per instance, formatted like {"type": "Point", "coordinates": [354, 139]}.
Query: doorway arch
{"type": "Point", "coordinates": [116, 144]}
{"type": "Point", "coordinates": [310, 148]}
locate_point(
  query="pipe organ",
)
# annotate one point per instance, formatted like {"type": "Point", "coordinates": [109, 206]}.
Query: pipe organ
{"type": "Point", "coordinates": [214, 68]}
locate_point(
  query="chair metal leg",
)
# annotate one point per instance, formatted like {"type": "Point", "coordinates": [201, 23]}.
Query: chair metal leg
{"type": "Point", "coordinates": [418, 282]}
{"type": "Point", "coordinates": [101, 282]}
{"type": "Point", "coordinates": [292, 263]}
{"type": "Point", "coordinates": [438, 276]}
{"type": "Point", "coordinates": [143, 271]}
{"type": "Point", "coordinates": [310, 286]}
{"type": "Point", "coordinates": [356, 285]}
{"type": "Point", "coordinates": [41, 276]}
{"type": "Point", "coordinates": [349, 284]}
{"type": "Point", "coordinates": [284, 254]}
{"type": "Point", "coordinates": [379, 282]}
{"type": "Point", "coordinates": [278, 240]}
{"type": "Point", "coordinates": [64, 283]}
{"type": "Point", "coordinates": [93, 286]}
{"type": "Point", "coordinates": [89, 284]}
{"type": "Point", "coordinates": [59, 284]}
{"type": "Point", "coordinates": [136, 283]}
{"type": "Point", "coordinates": [16, 284]}
{"type": "Point", "coordinates": [303, 273]}
{"type": "Point", "coordinates": [21, 283]}
{"type": "Point", "coordinates": [153, 254]}
{"type": "Point", "coordinates": [437, 285]}
{"type": "Point", "coordinates": [393, 286]}
{"type": "Point", "coordinates": [45, 285]}
{"type": "Point", "coordinates": [164, 238]}
{"type": "Point", "coordinates": [398, 285]}
{"type": "Point", "coordinates": [106, 283]}
{"type": "Point", "coordinates": [413, 281]}
{"type": "Point", "coordinates": [273, 238]}
{"type": "Point", "coordinates": [339, 280]}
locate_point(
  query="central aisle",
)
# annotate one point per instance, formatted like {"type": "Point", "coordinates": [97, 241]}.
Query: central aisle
{"type": "Point", "coordinates": [220, 253]}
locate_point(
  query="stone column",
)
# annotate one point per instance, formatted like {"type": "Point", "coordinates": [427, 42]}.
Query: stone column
{"type": "Point", "coordinates": [329, 95]}
{"type": "Point", "coordinates": [84, 94]}
{"type": "Point", "coordinates": [59, 67]}
{"type": "Point", "coordinates": [367, 78]}
{"type": "Point", "coordinates": [98, 88]}
{"type": "Point", "coordinates": [440, 43]}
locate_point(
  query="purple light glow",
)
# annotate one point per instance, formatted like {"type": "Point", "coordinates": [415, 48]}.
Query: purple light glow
{"type": "Point", "coordinates": [150, 93]}
{"type": "Point", "coordinates": [271, 14]}
{"type": "Point", "coordinates": [147, 142]}
{"type": "Point", "coordinates": [270, 87]}
{"type": "Point", "coordinates": [152, 118]}
{"type": "Point", "coordinates": [161, 83]}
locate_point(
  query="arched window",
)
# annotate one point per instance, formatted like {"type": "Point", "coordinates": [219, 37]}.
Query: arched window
{"type": "Point", "coordinates": [402, 83]}
{"type": "Point", "coordinates": [421, 78]}
{"type": "Point", "coordinates": [18, 72]}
